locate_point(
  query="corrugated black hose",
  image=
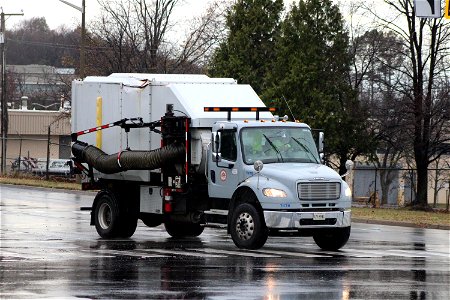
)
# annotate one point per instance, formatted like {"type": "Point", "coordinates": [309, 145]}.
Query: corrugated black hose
{"type": "Point", "coordinates": [128, 160]}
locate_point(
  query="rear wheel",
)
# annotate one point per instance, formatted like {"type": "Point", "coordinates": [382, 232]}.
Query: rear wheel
{"type": "Point", "coordinates": [332, 239]}
{"type": "Point", "coordinates": [179, 229]}
{"type": "Point", "coordinates": [248, 229]}
{"type": "Point", "coordinates": [112, 221]}
{"type": "Point", "coordinates": [106, 217]}
{"type": "Point", "coordinates": [128, 227]}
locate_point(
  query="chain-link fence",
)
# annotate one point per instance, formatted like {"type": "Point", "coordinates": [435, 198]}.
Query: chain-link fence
{"type": "Point", "coordinates": [40, 157]}
{"type": "Point", "coordinates": [374, 186]}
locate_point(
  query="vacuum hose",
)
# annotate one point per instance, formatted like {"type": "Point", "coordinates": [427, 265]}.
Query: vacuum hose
{"type": "Point", "coordinates": [127, 160]}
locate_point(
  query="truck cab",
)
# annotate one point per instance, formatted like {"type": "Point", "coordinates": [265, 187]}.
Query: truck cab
{"type": "Point", "coordinates": [268, 179]}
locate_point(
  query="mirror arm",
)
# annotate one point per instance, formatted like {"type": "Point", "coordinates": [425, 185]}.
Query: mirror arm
{"type": "Point", "coordinates": [349, 166]}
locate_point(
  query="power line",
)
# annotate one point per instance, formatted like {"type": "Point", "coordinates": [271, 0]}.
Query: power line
{"type": "Point", "coordinates": [52, 45]}
{"type": "Point", "coordinates": [61, 46]}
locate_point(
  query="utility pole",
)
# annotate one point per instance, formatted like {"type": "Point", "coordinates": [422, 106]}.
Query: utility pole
{"type": "Point", "coordinates": [82, 9]}
{"type": "Point", "coordinates": [4, 105]}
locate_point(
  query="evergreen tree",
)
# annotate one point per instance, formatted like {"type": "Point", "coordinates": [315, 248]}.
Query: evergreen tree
{"type": "Point", "coordinates": [311, 73]}
{"type": "Point", "coordinates": [247, 52]}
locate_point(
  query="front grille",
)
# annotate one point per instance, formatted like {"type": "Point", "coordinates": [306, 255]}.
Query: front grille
{"type": "Point", "coordinates": [319, 190]}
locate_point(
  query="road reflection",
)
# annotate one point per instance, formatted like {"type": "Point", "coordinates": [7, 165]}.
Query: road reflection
{"type": "Point", "coordinates": [120, 268]}
{"type": "Point", "coordinates": [48, 250]}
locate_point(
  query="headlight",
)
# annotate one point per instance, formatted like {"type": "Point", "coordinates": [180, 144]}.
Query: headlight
{"type": "Point", "coordinates": [274, 193]}
{"type": "Point", "coordinates": [348, 192]}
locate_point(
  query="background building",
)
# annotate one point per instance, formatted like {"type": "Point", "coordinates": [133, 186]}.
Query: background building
{"type": "Point", "coordinates": [43, 86]}
{"type": "Point", "coordinates": [28, 135]}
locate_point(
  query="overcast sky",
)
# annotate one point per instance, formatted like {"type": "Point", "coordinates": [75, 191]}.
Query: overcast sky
{"type": "Point", "coordinates": [57, 13]}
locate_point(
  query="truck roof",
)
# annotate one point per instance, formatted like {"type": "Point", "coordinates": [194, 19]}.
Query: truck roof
{"type": "Point", "coordinates": [190, 94]}
{"type": "Point", "coordinates": [139, 79]}
{"type": "Point", "coordinates": [264, 123]}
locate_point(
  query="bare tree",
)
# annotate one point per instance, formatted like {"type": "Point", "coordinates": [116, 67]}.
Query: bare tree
{"type": "Point", "coordinates": [424, 61]}
{"type": "Point", "coordinates": [372, 51]}
{"type": "Point", "coordinates": [32, 42]}
{"type": "Point", "coordinates": [133, 36]}
{"type": "Point", "coordinates": [201, 38]}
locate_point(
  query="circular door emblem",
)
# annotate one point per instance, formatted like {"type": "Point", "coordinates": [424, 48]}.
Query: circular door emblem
{"type": "Point", "coordinates": [223, 175]}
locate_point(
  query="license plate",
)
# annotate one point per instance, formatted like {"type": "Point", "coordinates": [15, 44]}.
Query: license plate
{"type": "Point", "coordinates": [318, 216]}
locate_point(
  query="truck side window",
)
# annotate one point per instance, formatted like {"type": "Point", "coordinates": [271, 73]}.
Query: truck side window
{"type": "Point", "coordinates": [228, 145]}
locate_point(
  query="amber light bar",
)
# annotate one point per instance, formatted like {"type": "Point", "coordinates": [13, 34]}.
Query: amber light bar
{"type": "Point", "coordinates": [238, 109]}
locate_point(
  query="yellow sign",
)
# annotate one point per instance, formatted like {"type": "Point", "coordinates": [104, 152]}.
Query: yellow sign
{"type": "Point", "coordinates": [447, 9]}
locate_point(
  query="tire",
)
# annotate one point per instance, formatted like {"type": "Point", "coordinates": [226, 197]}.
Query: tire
{"type": "Point", "coordinates": [248, 229]}
{"type": "Point", "coordinates": [111, 220]}
{"type": "Point", "coordinates": [332, 239]}
{"type": "Point", "coordinates": [106, 217]}
{"type": "Point", "coordinates": [128, 227]}
{"type": "Point", "coordinates": [179, 230]}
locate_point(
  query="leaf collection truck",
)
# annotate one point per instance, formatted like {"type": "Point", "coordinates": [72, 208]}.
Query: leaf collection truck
{"type": "Point", "coordinates": [189, 151]}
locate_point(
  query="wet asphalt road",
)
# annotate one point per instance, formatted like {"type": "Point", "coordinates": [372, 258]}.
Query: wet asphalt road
{"type": "Point", "coordinates": [48, 250]}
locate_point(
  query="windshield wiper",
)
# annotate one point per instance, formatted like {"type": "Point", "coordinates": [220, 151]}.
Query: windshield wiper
{"type": "Point", "coordinates": [274, 147]}
{"type": "Point", "coordinates": [305, 148]}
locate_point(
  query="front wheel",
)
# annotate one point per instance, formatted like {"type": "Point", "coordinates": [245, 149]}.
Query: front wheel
{"type": "Point", "coordinates": [248, 229]}
{"type": "Point", "coordinates": [332, 239]}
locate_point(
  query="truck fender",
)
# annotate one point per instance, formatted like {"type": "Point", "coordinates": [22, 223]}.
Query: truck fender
{"type": "Point", "coordinates": [244, 194]}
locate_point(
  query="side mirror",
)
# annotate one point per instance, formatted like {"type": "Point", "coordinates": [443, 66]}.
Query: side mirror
{"type": "Point", "coordinates": [320, 144]}
{"type": "Point", "coordinates": [349, 165]}
{"type": "Point", "coordinates": [258, 166]}
{"type": "Point", "coordinates": [215, 138]}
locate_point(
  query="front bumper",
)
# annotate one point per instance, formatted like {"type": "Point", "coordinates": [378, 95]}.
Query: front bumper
{"type": "Point", "coordinates": [298, 220]}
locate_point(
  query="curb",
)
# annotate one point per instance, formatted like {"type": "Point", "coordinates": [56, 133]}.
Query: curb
{"type": "Point", "coordinates": [403, 224]}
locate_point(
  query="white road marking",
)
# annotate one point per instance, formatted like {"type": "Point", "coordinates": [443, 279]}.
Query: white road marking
{"type": "Point", "coordinates": [414, 253]}
{"type": "Point", "coordinates": [238, 253]}
{"type": "Point", "coordinates": [124, 253]}
{"type": "Point", "coordinates": [296, 254]}
{"type": "Point", "coordinates": [364, 253]}
{"type": "Point", "coordinates": [183, 253]}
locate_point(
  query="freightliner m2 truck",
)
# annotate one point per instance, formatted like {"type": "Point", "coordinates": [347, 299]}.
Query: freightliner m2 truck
{"type": "Point", "coordinates": [189, 151]}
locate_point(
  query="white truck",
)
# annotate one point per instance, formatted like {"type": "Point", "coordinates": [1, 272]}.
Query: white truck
{"type": "Point", "coordinates": [189, 151]}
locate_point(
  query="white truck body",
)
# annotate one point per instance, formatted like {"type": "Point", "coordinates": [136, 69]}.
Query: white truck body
{"type": "Point", "coordinates": [146, 96]}
{"type": "Point", "coordinates": [223, 180]}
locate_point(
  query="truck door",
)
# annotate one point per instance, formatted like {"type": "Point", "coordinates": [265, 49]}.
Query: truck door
{"type": "Point", "coordinates": [223, 174]}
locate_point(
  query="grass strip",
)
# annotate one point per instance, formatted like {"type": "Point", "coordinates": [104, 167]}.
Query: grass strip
{"type": "Point", "coordinates": [53, 184]}
{"type": "Point", "coordinates": [405, 215]}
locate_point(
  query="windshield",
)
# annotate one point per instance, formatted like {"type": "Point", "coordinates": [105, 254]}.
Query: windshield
{"type": "Point", "coordinates": [278, 145]}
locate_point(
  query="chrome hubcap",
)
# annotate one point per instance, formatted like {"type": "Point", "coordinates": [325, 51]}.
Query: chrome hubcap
{"type": "Point", "coordinates": [245, 226]}
{"type": "Point", "coordinates": [104, 216]}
